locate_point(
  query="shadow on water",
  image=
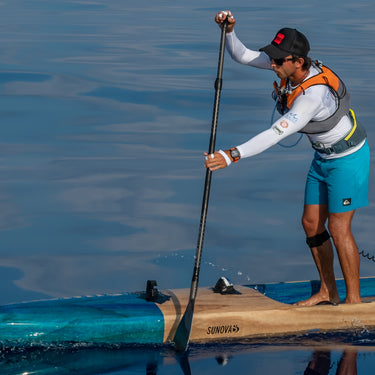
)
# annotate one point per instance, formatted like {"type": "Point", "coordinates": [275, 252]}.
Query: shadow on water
{"type": "Point", "coordinates": [335, 353]}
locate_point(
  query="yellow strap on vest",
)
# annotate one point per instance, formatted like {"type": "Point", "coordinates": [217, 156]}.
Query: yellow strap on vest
{"type": "Point", "coordinates": [354, 125]}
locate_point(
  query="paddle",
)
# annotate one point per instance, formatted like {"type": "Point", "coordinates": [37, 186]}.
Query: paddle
{"type": "Point", "coordinates": [182, 335]}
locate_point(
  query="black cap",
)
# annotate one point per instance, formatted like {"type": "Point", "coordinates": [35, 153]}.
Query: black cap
{"type": "Point", "coordinates": [287, 42]}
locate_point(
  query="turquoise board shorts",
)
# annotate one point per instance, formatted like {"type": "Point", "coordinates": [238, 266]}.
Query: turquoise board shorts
{"type": "Point", "coordinates": [341, 183]}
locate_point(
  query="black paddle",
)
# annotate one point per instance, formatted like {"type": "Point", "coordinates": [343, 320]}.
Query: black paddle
{"type": "Point", "coordinates": [182, 335]}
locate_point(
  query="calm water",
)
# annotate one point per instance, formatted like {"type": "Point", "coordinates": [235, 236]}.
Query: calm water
{"type": "Point", "coordinates": [105, 111]}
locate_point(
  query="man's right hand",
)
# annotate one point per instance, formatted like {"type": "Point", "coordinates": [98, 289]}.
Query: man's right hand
{"type": "Point", "coordinates": [222, 16]}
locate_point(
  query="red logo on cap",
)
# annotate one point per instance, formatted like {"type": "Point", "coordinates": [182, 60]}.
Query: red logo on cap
{"type": "Point", "coordinates": [279, 38]}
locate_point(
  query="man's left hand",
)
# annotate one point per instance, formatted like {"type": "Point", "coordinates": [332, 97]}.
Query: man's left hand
{"type": "Point", "coordinates": [215, 161]}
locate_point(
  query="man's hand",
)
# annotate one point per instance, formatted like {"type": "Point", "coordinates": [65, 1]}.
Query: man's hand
{"type": "Point", "coordinates": [222, 16]}
{"type": "Point", "coordinates": [216, 160]}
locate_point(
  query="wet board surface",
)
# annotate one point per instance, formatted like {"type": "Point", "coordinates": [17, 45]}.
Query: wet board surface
{"type": "Point", "coordinates": [256, 310]}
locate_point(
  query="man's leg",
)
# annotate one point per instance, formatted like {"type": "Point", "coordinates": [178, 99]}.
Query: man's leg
{"type": "Point", "coordinates": [313, 221]}
{"type": "Point", "coordinates": [339, 225]}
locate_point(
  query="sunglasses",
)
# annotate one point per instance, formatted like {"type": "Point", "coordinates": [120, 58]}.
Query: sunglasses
{"type": "Point", "coordinates": [282, 61]}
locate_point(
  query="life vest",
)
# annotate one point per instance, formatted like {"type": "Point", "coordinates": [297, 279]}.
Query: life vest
{"type": "Point", "coordinates": [286, 96]}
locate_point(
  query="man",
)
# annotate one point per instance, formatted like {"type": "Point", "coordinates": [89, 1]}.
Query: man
{"type": "Point", "coordinates": [313, 100]}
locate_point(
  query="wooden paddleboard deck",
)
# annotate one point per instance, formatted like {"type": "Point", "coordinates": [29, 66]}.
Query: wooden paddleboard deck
{"type": "Point", "coordinates": [251, 314]}
{"type": "Point", "coordinates": [132, 318]}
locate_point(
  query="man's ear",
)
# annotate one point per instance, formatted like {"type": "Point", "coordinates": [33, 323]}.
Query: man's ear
{"type": "Point", "coordinates": [300, 61]}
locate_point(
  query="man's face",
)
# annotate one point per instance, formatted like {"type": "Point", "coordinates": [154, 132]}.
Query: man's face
{"type": "Point", "coordinates": [284, 70]}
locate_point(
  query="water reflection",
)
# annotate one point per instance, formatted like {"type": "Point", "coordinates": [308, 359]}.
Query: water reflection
{"type": "Point", "coordinates": [155, 360]}
{"type": "Point", "coordinates": [321, 363]}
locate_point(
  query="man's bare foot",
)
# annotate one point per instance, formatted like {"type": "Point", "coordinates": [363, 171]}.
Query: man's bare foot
{"type": "Point", "coordinates": [353, 300]}
{"type": "Point", "coordinates": [320, 298]}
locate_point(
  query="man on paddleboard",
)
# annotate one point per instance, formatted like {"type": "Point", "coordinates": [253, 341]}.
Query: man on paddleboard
{"type": "Point", "coordinates": [313, 100]}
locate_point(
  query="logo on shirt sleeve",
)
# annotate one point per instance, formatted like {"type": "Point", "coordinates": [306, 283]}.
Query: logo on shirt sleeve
{"type": "Point", "coordinates": [292, 117]}
{"type": "Point", "coordinates": [284, 124]}
{"type": "Point", "coordinates": [277, 130]}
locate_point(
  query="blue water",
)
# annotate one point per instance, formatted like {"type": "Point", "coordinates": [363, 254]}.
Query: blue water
{"type": "Point", "coordinates": [239, 359]}
{"type": "Point", "coordinates": [106, 110]}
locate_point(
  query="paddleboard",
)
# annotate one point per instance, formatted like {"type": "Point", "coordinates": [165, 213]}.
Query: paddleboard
{"type": "Point", "coordinates": [260, 310]}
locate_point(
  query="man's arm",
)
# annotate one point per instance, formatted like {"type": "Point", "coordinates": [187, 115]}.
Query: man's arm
{"type": "Point", "coordinates": [303, 110]}
{"type": "Point", "coordinates": [237, 50]}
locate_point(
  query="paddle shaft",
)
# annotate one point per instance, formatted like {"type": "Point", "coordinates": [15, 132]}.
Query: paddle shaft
{"type": "Point", "coordinates": [182, 335]}
{"type": "Point", "coordinates": [207, 184]}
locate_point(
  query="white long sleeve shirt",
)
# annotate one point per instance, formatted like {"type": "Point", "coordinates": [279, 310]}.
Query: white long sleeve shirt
{"type": "Point", "coordinates": [317, 104]}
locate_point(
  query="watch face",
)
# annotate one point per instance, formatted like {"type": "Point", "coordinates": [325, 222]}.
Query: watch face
{"type": "Point", "coordinates": [234, 153]}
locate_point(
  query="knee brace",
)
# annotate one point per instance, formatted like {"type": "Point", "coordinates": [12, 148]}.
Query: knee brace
{"type": "Point", "coordinates": [318, 240]}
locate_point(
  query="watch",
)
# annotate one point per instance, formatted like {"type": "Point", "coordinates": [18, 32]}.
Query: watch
{"type": "Point", "coordinates": [235, 154]}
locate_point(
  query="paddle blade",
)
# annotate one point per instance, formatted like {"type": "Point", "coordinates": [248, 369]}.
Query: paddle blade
{"type": "Point", "coordinates": [182, 335]}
